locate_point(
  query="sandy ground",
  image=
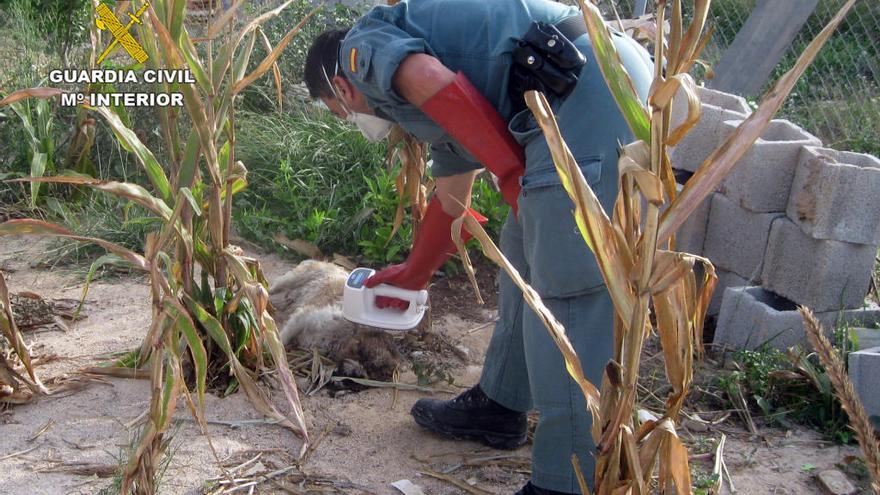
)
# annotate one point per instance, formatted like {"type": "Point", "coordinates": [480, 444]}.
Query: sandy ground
{"type": "Point", "coordinates": [366, 439]}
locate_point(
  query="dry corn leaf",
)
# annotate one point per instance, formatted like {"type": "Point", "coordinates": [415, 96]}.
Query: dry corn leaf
{"type": "Point", "coordinates": [30, 93]}
{"type": "Point", "coordinates": [259, 298]}
{"type": "Point", "coordinates": [662, 98]}
{"type": "Point", "coordinates": [272, 57]}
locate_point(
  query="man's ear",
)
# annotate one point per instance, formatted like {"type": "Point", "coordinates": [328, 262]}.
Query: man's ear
{"type": "Point", "coordinates": [344, 89]}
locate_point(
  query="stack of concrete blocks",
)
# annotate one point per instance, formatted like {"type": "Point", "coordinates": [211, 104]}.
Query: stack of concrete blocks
{"type": "Point", "coordinates": [793, 224]}
{"type": "Point", "coordinates": [820, 253]}
{"type": "Point", "coordinates": [749, 200]}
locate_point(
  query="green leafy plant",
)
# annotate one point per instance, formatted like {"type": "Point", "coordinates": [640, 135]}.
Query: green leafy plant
{"type": "Point", "coordinates": [315, 178]}
{"type": "Point", "coordinates": [488, 201]}
{"type": "Point", "coordinates": [787, 388]}
{"type": "Point", "coordinates": [37, 121]}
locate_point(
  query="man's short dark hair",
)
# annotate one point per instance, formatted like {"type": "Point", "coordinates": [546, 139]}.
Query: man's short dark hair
{"type": "Point", "coordinates": [323, 56]}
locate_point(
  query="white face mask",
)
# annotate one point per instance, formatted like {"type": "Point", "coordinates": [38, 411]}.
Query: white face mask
{"type": "Point", "coordinates": [373, 128]}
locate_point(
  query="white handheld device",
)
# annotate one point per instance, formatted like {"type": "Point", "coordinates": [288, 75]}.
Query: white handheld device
{"type": "Point", "coordinates": [359, 303]}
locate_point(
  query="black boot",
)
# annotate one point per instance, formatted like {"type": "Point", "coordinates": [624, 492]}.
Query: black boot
{"type": "Point", "coordinates": [474, 416]}
{"type": "Point", "coordinates": [530, 489]}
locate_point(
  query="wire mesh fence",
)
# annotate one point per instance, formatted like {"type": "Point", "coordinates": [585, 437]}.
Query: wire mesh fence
{"type": "Point", "coordinates": [838, 98]}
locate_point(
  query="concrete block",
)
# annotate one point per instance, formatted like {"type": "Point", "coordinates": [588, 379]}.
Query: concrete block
{"type": "Point", "coordinates": [725, 279]}
{"type": "Point", "coordinates": [822, 275]}
{"type": "Point", "coordinates": [724, 100]}
{"type": "Point", "coordinates": [716, 107]}
{"type": "Point", "coordinates": [864, 338]}
{"type": "Point", "coordinates": [752, 316]}
{"type": "Point", "coordinates": [692, 234]}
{"type": "Point", "coordinates": [736, 238]}
{"type": "Point", "coordinates": [864, 368]}
{"type": "Point", "coordinates": [834, 195]}
{"type": "Point", "coordinates": [711, 97]}
{"type": "Point", "coordinates": [761, 179]}
{"type": "Point", "coordinates": [703, 138]}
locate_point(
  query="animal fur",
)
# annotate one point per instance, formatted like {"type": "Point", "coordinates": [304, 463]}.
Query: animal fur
{"type": "Point", "coordinates": [308, 301]}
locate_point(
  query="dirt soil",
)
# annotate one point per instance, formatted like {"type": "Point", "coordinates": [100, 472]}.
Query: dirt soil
{"type": "Point", "coordinates": [364, 440]}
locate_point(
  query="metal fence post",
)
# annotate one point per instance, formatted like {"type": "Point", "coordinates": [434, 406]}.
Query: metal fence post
{"type": "Point", "coordinates": [760, 44]}
{"type": "Point", "coordinates": [639, 8]}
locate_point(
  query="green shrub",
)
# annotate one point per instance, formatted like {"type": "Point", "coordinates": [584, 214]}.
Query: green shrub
{"type": "Point", "coordinates": [314, 177]}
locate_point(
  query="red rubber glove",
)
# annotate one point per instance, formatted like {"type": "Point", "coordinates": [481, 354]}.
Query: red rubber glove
{"type": "Point", "coordinates": [467, 116]}
{"type": "Point", "coordinates": [432, 247]}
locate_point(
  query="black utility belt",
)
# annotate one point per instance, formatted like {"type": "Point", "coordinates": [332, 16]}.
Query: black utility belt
{"type": "Point", "coordinates": [546, 60]}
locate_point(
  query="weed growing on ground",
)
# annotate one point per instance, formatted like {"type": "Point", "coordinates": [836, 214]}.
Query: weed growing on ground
{"type": "Point", "coordinates": [703, 483]}
{"type": "Point", "coordinates": [791, 387]}
{"type": "Point", "coordinates": [125, 452]}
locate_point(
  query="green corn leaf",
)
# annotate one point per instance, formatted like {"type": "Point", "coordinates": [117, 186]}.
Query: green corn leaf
{"type": "Point", "coordinates": [237, 73]}
{"type": "Point", "coordinates": [212, 326]}
{"type": "Point", "coordinates": [188, 195]}
{"type": "Point", "coordinates": [30, 93]}
{"type": "Point", "coordinates": [107, 259]}
{"type": "Point", "coordinates": [245, 380]}
{"type": "Point", "coordinates": [170, 389]}
{"type": "Point", "coordinates": [191, 156]}
{"type": "Point", "coordinates": [191, 99]}
{"type": "Point", "coordinates": [615, 75]}
{"type": "Point", "coordinates": [196, 348]}
{"type": "Point", "coordinates": [178, 14]}
{"type": "Point", "coordinates": [38, 168]}
{"type": "Point", "coordinates": [192, 60]}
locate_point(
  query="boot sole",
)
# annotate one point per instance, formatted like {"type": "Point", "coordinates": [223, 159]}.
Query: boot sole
{"type": "Point", "coordinates": [495, 440]}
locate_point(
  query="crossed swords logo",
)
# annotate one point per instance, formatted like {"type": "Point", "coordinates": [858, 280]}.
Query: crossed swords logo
{"type": "Point", "coordinates": [107, 21]}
